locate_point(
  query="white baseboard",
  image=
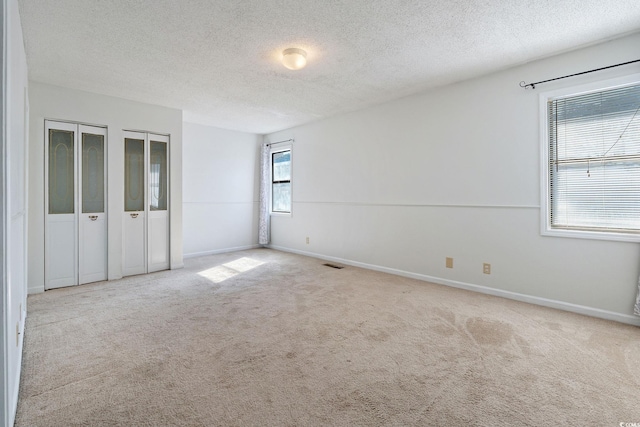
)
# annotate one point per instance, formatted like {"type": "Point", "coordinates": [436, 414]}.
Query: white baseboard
{"type": "Point", "coordinates": [16, 387]}
{"type": "Point", "coordinates": [221, 251]}
{"type": "Point", "coordinates": [35, 290]}
{"type": "Point", "coordinates": [545, 302]}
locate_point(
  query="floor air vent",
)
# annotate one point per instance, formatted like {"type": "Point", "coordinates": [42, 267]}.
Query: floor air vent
{"type": "Point", "coordinates": [333, 266]}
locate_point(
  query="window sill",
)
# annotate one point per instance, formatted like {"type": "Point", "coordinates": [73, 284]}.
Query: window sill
{"type": "Point", "coordinates": [282, 214]}
{"type": "Point", "coordinates": [592, 235]}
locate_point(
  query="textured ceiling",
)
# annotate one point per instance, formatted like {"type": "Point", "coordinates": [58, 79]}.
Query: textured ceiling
{"type": "Point", "coordinates": [218, 60]}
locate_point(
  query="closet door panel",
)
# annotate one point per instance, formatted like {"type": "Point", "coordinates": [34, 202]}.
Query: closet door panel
{"type": "Point", "coordinates": [158, 242]}
{"type": "Point", "coordinates": [60, 199]}
{"type": "Point", "coordinates": [134, 244]}
{"type": "Point", "coordinates": [93, 265]}
{"type": "Point", "coordinates": [61, 172]}
{"type": "Point", "coordinates": [93, 218]}
{"type": "Point", "coordinates": [60, 266]}
{"type": "Point", "coordinates": [134, 185]}
{"type": "Point", "coordinates": [134, 219]}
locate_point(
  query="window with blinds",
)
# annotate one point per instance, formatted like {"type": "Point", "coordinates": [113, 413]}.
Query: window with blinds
{"type": "Point", "coordinates": [594, 161]}
{"type": "Point", "coordinates": [281, 181]}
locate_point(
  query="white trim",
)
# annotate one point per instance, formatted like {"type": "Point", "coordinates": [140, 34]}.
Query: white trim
{"type": "Point", "coordinates": [545, 302]}
{"type": "Point", "coordinates": [16, 386]}
{"type": "Point", "coordinates": [544, 97]}
{"type": "Point", "coordinates": [417, 205]}
{"type": "Point", "coordinates": [157, 134]}
{"type": "Point", "coordinates": [71, 122]}
{"type": "Point", "coordinates": [221, 251]}
{"type": "Point", "coordinates": [284, 214]}
{"type": "Point", "coordinates": [221, 203]}
{"type": "Point", "coordinates": [25, 273]}
{"type": "Point", "coordinates": [35, 289]}
{"type": "Point", "coordinates": [4, 331]}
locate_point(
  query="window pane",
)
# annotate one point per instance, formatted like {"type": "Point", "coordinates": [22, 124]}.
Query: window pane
{"type": "Point", "coordinates": [606, 197]}
{"type": "Point", "coordinates": [133, 175]}
{"type": "Point", "coordinates": [92, 173]}
{"type": "Point", "coordinates": [158, 176]}
{"type": "Point", "coordinates": [594, 160]}
{"type": "Point", "coordinates": [61, 172]}
{"type": "Point", "coordinates": [281, 194]}
{"type": "Point", "coordinates": [282, 166]}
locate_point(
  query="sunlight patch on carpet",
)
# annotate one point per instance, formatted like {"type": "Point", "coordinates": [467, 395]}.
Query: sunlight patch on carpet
{"type": "Point", "coordinates": [220, 273]}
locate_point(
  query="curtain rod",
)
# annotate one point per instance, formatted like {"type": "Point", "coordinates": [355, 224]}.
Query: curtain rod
{"type": "Point", "coordinates": [533, 85]}
{"type": "Point", "coordinates": [279, 142]}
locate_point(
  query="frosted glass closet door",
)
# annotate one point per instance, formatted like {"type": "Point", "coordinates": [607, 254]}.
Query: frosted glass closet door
{"type": "Point", "coordinates": [92, 218]}
{"type": "Point", "coordinates": [61, 257]}
{"type": "Point", "coordinates": [134, 221]}
{"type": "Point", "coordinates": [146, 203]}
{"type": "Point", "coordinates": [75, 200]}
{"type": "Point", "coordinates": [158, 245]}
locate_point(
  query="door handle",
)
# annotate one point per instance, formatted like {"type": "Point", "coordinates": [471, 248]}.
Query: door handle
{"type": "Point", "coordinates": [93, 217]}
{"type": "Point", "coordinates": [134, 215]}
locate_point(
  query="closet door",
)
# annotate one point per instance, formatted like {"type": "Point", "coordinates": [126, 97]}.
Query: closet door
{"type": "Point", "coordinates": [75, 200]}
{"type": "Point", "coordinates": [146, 203]}
{"type": "Point", "coordinates": [135, 189]}
{"type": "Point", "coordinates": [158, 241]}
{"type": "Point", "coordinates": [92, 215]}
{"type": "Point", "coordinates": [61, 236]}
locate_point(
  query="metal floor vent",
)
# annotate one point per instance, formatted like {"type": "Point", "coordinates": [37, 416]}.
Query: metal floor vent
{"type": "Point", "coordinates": [333, 266]}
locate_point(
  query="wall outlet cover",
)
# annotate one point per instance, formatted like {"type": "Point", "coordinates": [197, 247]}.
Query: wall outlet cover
{"type": "Point", "coordinates": [486, 268]}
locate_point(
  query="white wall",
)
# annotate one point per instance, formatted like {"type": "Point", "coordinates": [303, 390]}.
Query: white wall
{"type": "Point", "coordinates": [220, 189]}
{"type": "Point", "coordinates": [14, 207]}
{"type": "Point", "coordinates": [51, 102]}
{"type": "Point", "coordinates": [455, 172]}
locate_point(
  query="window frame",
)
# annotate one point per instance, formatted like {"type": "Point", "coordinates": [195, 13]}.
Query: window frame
{"type": "Point", "coordinates": [274, 150]}
{"type": "Point", "coordinates": [545, 206]}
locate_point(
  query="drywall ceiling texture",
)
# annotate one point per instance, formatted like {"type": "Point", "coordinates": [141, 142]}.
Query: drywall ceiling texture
{"type": "Point", "coordinates": [219, 60]}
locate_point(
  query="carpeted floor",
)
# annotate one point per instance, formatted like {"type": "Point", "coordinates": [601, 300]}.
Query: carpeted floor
{"type": "Point", "coordinates": [264, 338]}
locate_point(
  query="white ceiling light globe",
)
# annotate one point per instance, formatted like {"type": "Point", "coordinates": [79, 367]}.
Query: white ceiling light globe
{"type": "Point", "coordinates": [294, 58]}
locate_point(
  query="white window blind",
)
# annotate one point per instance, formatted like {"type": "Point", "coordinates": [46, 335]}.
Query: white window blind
{"type": "Point", "coordinates": [594, 161]}
{"type": "Point", "coordinates": [281, 181]}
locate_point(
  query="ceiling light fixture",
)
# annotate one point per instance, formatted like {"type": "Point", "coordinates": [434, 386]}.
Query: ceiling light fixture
{"type": "Point", "coordinates": [294, 58]}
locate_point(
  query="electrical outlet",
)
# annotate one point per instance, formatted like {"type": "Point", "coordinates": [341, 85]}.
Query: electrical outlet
{"type": "Point", "coordinates": [449, 262]}
{"type": "Point", "coordinates": [307, 240]}
{"type": "Point", "coordinates": [486, 268]}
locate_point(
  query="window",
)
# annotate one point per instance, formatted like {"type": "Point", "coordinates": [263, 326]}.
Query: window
{"type": "Point", "coordinates": [281, 181]}
{"type": "Point", "coordinates": [593, 164]}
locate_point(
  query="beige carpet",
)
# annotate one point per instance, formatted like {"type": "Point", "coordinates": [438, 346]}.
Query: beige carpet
{"type": "Point", "coordinates": [264, 338]}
